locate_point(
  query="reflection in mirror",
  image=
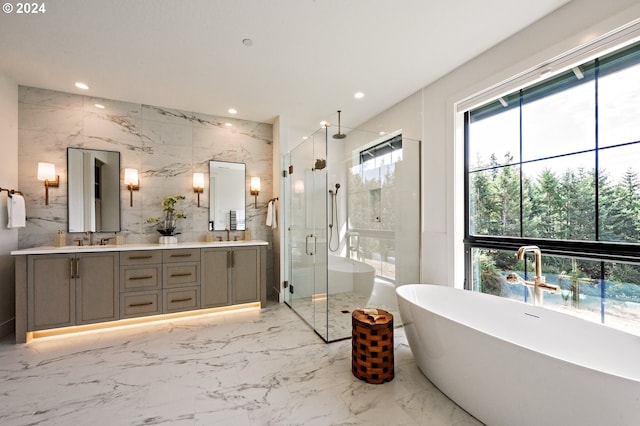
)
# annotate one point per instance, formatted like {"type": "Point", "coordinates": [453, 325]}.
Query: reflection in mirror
{"type": "Point", "coordinates": [93, 190]}
{"type": "Point", "coordinates": [227, 183]}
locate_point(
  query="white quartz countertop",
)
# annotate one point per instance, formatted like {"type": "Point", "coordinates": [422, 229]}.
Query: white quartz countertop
{"type": "Point", "coordinates": [140, 246]}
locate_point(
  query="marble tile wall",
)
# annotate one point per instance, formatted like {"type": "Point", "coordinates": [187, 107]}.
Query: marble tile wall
{"type": "Point", "coordinates": [166, 146]}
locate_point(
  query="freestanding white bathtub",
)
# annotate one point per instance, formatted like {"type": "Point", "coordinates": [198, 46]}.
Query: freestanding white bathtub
{"type": "Point", "coordinates": [509, 363]}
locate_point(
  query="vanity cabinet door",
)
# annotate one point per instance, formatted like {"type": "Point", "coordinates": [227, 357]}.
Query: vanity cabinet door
{"type": "Point", "coordinates": [98, 287]}
{"type": "Point", "coordinates": [51, 291]}
{"type": "Point", "coordinates": [215, 277]}
{"type": "Point", "coordinates": [245, 278]}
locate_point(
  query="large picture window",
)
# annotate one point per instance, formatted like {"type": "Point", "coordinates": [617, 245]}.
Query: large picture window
{"type": "Point", "coordinates": [557, 164]}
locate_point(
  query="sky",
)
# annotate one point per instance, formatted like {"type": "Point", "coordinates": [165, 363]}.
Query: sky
{"type": "Point", "coordinates": [564, 123]}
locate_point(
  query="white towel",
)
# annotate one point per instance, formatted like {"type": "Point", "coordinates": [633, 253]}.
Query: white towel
{"type": "Point", "coordinates": [274, 216]}
{"type": "Point", "coordinates": [16, 211]}
{"type": "Point", "coordinates": [272, 220]}
{"type": "Point", "coordinates": [269, 213]}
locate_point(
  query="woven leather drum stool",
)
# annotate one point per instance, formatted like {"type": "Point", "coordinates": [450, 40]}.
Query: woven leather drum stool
{"type": "Point", "coordinates": [372, 345]}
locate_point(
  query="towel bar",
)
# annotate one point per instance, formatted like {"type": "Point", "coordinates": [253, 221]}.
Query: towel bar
{"type": "Point", "coordinates": [10, 192]}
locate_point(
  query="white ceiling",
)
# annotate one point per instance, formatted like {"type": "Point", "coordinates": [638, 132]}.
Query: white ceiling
{"type": "Point", "coordinates": [308, 57]}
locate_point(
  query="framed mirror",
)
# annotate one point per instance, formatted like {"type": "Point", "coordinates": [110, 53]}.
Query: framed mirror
{"type": "Point", "coordinates": [93, 190]}
{"type": "Point", "coordinates": [227, 187]}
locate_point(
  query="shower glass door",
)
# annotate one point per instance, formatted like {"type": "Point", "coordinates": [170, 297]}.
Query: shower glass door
{"type": "Point", "coordinates": [307, 232]}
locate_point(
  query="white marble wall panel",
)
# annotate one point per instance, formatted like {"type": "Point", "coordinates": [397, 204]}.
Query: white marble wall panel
{"type": "Point", "coordinates": [166, 146]}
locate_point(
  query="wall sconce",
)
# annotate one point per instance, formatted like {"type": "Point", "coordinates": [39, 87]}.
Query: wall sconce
{"type": "Point", "coordinates": [255, 189]}
{"type": "Point", "coordinates": [132, 182]}
{"type": "Point", "coordinates": [47, 173]}
{"type": "Point", "coordinates": [198, 185]}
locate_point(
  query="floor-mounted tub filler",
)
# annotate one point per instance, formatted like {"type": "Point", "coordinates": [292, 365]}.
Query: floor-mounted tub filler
{"type": "Point", "coordinates": [510, 363]}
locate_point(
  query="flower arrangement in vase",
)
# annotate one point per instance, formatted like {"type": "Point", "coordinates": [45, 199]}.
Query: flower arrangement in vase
{"type": "Point", "coordinates": [166, 225]}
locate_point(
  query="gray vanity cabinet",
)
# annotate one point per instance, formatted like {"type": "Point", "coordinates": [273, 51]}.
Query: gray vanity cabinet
{"type": "Point", "coordinates": [140, 283]}
{"type": "Point", "coordinates": [92, 285]}
{"type": "Point", "coordinates": [245, 271]}
{"type": "Point", "coordinates": [67, 289]}
{"type": "Point", "coordinates": [97, 287]}
{"type": "Point", "coordinates": [51, 291]}
{"type": "Point", "coordinates": [181, 280]}
{"type": "Point", "coordinates": [232, 276]}
{"type": "Point", "coordinates": [215, 277]}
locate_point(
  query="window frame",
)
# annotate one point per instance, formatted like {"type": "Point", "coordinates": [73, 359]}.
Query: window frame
{"type": "Point", "coordinates": [603, 251]}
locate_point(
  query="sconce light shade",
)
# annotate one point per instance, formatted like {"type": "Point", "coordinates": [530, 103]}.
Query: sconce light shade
{"type": "Point", "coordinates": [132, 181]}
{"type": "Point", "coordinates": [47, 173]}
{"type": "Point", "coordinates": [255, 184]}
{"type": "Point", "coordinates": [198, 185]}
{"type": "Point", "coordinates": [131, 177]}
{"type": "Point", "coordinates": [255, 189]}
{"type": "Point", "coordinates": [198, 181]}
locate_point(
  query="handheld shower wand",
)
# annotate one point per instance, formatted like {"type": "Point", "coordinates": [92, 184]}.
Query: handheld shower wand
{"type": "Point", "coordinates": [334, 213]}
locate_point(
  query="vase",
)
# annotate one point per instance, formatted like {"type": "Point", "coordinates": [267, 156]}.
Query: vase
{"type": "Point", "coordinates": [168, 240]}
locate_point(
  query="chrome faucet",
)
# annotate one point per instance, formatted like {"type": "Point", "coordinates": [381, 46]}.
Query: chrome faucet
{"type": "Point", "coordinates": [90, 235]}
{"type": "Point", "coordinates": [538, 284]}
{"type": "Point", "coordinates": [104, 241]}
{"type": "Point", "coordinates": [228, 232]}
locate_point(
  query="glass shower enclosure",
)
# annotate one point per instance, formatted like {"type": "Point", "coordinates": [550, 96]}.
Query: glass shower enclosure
{"type": "Point", "coordinates": [352, 222]}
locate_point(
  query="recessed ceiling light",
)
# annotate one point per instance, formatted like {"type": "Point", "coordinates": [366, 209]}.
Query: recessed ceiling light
{"type": "Point", "coordinates": [82, 86]}
{"type": "Point", "coordinates": [247, 42]}
{"type": "Point", "coordinates": [99, 106]}
{"type": "Point", "coordinates": [304, 138]}
{"type": "Point", "coordinates": [359, 95]}
{"type": "Point", "coordinates": [232, 111]}
{"type": "Point", "coordinates": [228, 124]}
{"type": "Point", "coordinates": [382, 133]}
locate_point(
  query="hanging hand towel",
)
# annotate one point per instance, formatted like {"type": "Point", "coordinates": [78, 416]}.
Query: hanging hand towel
{"type": "Point", "coordinates": [269, 213]}
{"type": "Point", "coordinates": [274, 215]}
{"type": "Point", "coordinates": [16, 211]}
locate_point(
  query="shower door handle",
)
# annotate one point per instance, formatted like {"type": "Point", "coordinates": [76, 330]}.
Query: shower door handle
{"type": "Point", "coordinates": [306, 245]}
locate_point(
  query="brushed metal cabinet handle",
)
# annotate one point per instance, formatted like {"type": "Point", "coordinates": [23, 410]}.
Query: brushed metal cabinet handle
{"type": "Point", "coordinates": [135, 305]}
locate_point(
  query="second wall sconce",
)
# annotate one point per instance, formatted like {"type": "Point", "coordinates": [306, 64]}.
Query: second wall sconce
{"type": "Point", "coordinates": [132, 182]}
{"type": "Point", "coordinates": [198, 185]}
{"type": "Point", "coordinates": [47, 173]}
{"type": "Point", "coordinates": [255, 189]}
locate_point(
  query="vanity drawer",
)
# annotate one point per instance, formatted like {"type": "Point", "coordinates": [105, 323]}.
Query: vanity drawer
{"type": "Point", "coordinates": [181, 274]}
{"type": "Point", "coordinates": [180, 255]}
{"type": "Point", "coordinates": [140, 303]}
{"type": "Point", "coordinates": [140, 277]}
{"type": "Point", "coordinates": [181, 299]}
{"type": "Point", "coordinates": [141, 257]}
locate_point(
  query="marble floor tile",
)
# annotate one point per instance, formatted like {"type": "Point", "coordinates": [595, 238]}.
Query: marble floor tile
{"type": "Point", "coordinates": [336, 309]}
{"type": "Point", "coordinates": [246, 368]}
